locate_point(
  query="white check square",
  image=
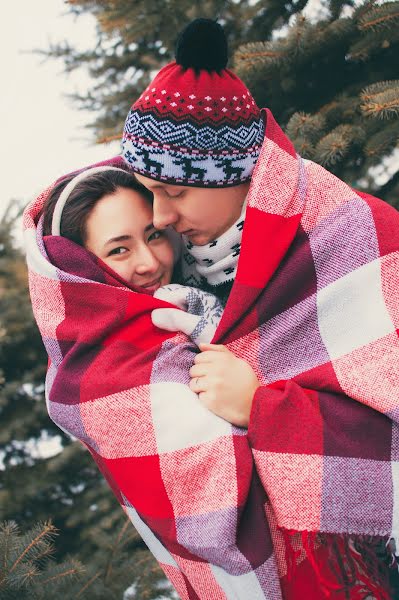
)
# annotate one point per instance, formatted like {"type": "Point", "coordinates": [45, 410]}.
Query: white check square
{"type": "Point", "coordinates": [180, 420]}
{"type": "Point", "coordinates": [352, 312]}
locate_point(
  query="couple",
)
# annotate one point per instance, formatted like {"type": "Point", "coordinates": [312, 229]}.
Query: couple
{"type": "Point", "coordinates": [265, 465]}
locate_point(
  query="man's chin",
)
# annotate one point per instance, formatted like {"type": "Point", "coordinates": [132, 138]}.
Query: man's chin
{"type": "Point", "coordinates": [199, 239]}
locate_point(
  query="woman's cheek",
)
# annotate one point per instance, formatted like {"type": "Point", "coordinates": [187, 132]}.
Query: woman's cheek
{"type": "Point", "coordinates": [120, 267]}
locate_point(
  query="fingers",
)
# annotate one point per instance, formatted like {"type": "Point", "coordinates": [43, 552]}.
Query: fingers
{"type": "Point", "coordinates": [205, 389]}
{"type": "Point", "coordinates": [212, 347]}
{"type": "Point", "coordinates": [198, 384]}
{"type": "Point", "coordinates": [204, 358]}
{"type": "Point", "coordinates": [211, 355]}
{"type": "Point", "coordinates": [198, 371]}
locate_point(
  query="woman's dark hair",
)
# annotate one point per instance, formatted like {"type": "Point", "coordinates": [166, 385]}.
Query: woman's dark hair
{"type": "Point", "coordinates": [83, 198]}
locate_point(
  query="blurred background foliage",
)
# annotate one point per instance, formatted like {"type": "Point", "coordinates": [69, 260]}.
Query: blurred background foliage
{"type": "Point", "coordinates": [328, 70]}
{"type": "Point", "coordinates": [330, 76]}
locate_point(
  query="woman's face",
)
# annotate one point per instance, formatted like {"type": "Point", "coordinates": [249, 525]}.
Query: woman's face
{"type": "Point", "coordinates": [119, 230]}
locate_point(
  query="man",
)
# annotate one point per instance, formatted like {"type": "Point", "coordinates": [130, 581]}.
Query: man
{"type": "Point", "coordinates": [307, 269]}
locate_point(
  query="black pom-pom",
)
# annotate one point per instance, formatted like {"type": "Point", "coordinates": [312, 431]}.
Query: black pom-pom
{"type": "Point", "coordinates": [202, 45]}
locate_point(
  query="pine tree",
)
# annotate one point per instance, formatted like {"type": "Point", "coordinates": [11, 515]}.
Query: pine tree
{"type": "Point", "coordinates": [67, 487]}
{"type": "Point", "coordinates": [332, 83]}
{"type": "Point", "coordinates": [333, 86]}
{"type": "Point", "coordinates": [135, 39]}
{"type": "Point", "coordinates": [29, 569]}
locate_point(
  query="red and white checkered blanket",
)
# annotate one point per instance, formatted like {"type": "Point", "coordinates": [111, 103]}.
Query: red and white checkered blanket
{"type": "Point", "coordinates": [314, 309]}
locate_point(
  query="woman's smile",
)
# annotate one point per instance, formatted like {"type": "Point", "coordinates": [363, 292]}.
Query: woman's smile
{"type": "Point", "coordinates": [153, 285]}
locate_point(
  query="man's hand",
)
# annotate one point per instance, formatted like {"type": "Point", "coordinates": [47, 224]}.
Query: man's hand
{"type": "Point", "coordinates": [225, 384]}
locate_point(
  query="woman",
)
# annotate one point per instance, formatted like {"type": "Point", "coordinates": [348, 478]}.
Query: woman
{"type": "Point", "coordinates": [107, 212]}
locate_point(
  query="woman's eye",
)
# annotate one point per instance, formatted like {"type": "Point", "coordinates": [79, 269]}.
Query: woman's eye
{"type": "Point", "coordinates": [156, 235]}
{"type": "Point", "coordinates": [118, 250]}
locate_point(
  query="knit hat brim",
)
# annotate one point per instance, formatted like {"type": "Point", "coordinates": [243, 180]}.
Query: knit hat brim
{"type": "Point", "coordinates": [163, 150]}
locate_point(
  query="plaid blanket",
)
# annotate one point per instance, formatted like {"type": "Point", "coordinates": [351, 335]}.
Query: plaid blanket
{"type": "Point", "coordinates": [314, 310]}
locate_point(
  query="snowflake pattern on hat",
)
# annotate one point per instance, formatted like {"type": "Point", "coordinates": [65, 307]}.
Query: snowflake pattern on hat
{"type": "Point", "coordinates": [236, 108]}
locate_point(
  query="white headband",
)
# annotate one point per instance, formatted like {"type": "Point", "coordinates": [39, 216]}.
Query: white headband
{"type": "Point", "coordinates": [62, 200]}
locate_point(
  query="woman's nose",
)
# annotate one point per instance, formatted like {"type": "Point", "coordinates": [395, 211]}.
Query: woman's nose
{"type": "Point", "coordinates": [164, 213]}
{"type": "Point", "coordinates": [146, 261]}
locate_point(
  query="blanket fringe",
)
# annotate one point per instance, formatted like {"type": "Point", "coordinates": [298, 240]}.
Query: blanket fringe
{"type": "Point", "coordinates": [350, 567]}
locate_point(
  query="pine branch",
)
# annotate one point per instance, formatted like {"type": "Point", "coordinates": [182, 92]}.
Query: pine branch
{"type": "Point", "coordinates": [88, 584]}
{"type": "Point", "coordinates": [29, 575]}
{"type": "Point", "coordinates": [382, 143]}
{"type": "Point", "coordinates": [381, 99]}
{"type": "Point", "coordinates": [47, 530]}
{"type": "Point", "coordinates": [301, 37]}
{"type": "Point", "coordinates": [382, 109]}
{"type": "Point", "coordinates": [25, 569]}
{"type": "Point", "coordinates": [379, 87]}
{"type": "Point", "coordinates": [47, 550]}
{"type": "Point", "coordinates": [8, 531]}
{"type": "Point", "coordinates": [364, 8]}
{"type": "Point", "coordinates": [334, 146]}
{"type": "Point", "coordinates": [114, 549]}
{"type": "Point", "coordinates": [72, 571]}
{"type": "Point", "coordinates": [305, 126]}
{"type": "Point", "coordinates": [380, 17]}
{"type": "Point", "coordinates": [265, 55]}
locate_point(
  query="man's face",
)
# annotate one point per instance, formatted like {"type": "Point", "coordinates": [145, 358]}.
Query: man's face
{"type": "Point", "coordinates": [201, 214]}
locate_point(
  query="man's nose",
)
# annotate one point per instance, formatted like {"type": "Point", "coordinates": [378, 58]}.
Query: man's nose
{"type": "Point", "coordinates": [147, 262]}
{"type": "Point", "coordinates": [164, 213]}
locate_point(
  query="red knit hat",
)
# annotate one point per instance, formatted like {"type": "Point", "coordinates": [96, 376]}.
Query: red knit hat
{"type": "Point", "coordinates": [196, 124]}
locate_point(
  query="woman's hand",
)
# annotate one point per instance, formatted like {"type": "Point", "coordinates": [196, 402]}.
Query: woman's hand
{"type": "Point", "coordinates": [225, 384]}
